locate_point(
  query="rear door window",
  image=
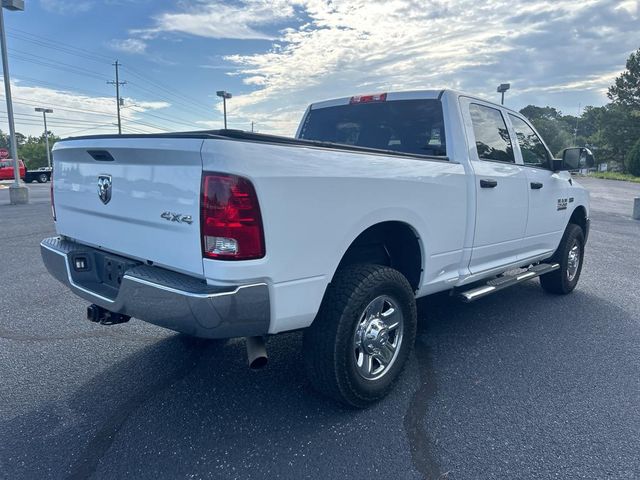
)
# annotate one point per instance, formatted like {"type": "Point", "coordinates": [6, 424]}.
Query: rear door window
{"type": "Point", "coordinates": [492, 137]}
{"type": "Point", "coordinates": [408, 126]}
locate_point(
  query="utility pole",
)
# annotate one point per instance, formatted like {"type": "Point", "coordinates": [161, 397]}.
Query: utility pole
{"type": "Point", "coordinates": [117, 83]}
{"type": "Point", "coordinates": [18, 192]}
{"type": "Point", "coordinates": [46, 132]}
{"type": "Point", "coordinates": [575, 132]}
{"type": "Point", "coordinates": [251, 127]}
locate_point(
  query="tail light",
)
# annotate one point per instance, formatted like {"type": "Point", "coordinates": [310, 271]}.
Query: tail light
{"type": "Point", "coordinates": [230, 219]}
{"type": "Point", "coordinates": [378, 97]}
{"type": "Point", "coordinates": [53, 204]}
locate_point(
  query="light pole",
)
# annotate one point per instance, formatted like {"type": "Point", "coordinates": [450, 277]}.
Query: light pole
{"type": "Point", "coordinates": [46, 132]}
{"type": "Point", "coordinates": [225, 95]}
{"type": "Point", "coordinates": [503, 87]}
{"type": "Point", "coordinates": [18, 192]}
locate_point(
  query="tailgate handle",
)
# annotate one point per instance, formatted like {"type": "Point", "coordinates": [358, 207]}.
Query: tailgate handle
{"type": "Point", "coordinates": [100, 155]}
{"type": "Point", "coordinates": [484, 183]}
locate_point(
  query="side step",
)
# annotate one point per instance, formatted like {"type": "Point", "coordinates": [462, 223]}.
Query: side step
{"type": "Point", "coordinates": [505, 281]}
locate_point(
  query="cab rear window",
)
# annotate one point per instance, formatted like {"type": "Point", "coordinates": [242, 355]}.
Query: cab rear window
{"type": "Point", "coordinates": [408, 126]}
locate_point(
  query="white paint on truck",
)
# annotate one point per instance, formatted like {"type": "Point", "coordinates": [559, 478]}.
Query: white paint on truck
{"type": "Point", "coordinates": [315, 202]}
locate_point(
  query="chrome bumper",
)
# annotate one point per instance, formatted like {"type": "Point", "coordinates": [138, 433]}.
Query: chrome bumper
{"type": "Point", "coordinates": [162, 297]}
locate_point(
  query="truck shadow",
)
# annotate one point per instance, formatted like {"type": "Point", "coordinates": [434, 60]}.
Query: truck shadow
{"type": "Point", "coordinates": [182, 406]}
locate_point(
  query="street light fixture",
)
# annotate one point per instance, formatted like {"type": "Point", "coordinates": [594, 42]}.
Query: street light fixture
{"type": "Point", "coordinates": [18, 192]}
{"type": "Point", "coordinates": [225, 95]}
{"type": "Point", "coordinates": [46, 132]}
{"type": "Point", "coordinates": [503, 87]}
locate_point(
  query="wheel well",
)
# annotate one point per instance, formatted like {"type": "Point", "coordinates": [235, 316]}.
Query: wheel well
{"type": "Point", "coordinates": [394, 244]}
{"type": "Point", "coordinates": [579, 217]}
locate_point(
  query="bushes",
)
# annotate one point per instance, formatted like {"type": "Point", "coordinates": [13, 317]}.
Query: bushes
{"type": "Point", "coordinates": [632, 162]}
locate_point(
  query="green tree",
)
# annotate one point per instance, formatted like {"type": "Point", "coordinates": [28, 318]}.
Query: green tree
{"type": "Point", "coordinates": [33, 151]}
{"type": "Point", "coordinates": [556, 129]}
{"type": "Point", "coordinates": [632, 161]}
{"type": "Point", "coordinates": [5, 140]}
{"type": "Point", "coordinates": [626, 89]}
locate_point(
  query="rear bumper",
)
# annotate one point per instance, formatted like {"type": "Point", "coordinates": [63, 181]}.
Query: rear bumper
{"type": "Point", "coordinates": [168, 299]}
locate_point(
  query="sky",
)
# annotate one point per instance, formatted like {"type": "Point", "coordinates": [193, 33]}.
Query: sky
{"type": "Point", "coordinates": [278, 56]}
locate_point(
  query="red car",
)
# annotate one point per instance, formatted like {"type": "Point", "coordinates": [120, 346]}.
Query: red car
{"type": "Point", "coordinates": [6, 169]}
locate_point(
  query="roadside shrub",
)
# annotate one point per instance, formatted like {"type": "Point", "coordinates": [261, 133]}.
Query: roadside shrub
{"type": "Point", "coordinates": [633, 159]}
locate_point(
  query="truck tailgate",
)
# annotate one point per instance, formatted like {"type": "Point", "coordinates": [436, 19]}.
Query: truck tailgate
{"type": "Point", "coordinates": [152, 210]}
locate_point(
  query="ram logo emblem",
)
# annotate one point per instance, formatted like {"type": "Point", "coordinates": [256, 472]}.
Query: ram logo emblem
{"type": "Point", "coordinates": [104, 188]}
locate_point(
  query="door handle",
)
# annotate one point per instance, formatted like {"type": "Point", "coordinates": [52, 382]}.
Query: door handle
{"type": "Point", "coordinates": [488, 183]}
{"type": "Point", "coordinates": [536, 185]}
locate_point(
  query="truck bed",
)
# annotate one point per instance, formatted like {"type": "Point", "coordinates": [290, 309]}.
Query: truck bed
{"type": "Point", "coordinates": [241, 135]}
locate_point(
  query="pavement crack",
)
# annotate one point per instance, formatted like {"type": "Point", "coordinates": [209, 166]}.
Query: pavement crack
{"type": "Point", "coordinates": [420, 443]}
{"type": "Point", "coordinates": [99, 445]}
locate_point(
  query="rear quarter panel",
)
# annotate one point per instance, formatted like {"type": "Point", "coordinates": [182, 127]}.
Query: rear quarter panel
{"type": "Point", "coordinates": [315, 202]}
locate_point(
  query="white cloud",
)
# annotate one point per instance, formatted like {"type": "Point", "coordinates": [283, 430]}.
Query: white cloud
{"type": "Point", "coordinates": [75, 112]}
{"type": "Point", "coordinates": [544, 49]}
{"type": "Point", "coordinates": [129, 45]}
{"type": "Point", "coordinates": [67, 6]}
{"type": "Point", "coordinates": [556, 52]}
{"type": "Point", "coordinates": [217, 19]}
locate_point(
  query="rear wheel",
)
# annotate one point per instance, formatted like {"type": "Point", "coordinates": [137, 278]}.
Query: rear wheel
{"type": "Point", "coordinates": [42, 178]}
{"type": "Point", "coordinates": [359, 343]}
{"type": "Point", "coordinates": [569, 255]}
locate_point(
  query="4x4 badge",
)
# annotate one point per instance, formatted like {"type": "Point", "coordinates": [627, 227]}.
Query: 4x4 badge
{"type": "Point", "coordinates": [177, 217]}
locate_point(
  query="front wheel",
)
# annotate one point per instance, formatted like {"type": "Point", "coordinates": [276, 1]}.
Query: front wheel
{"type": "Point", "coordinates": [359, 343]}
{"type": "Point", "coordinates": [570, 256]}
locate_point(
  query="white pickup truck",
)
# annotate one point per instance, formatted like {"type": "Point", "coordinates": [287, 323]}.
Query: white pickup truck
{"type": "Point", "coordinates": [379, 200]}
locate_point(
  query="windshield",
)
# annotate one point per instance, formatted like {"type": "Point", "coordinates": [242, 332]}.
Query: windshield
{"type": "Point", "coordinates": [409, 126]}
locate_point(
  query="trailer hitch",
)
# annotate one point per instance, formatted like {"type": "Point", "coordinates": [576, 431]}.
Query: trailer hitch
{"type": "Point", "coordinates": [103, 316]}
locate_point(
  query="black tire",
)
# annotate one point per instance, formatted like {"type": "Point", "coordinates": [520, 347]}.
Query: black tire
{"type": "Point", "coordinates": [42, 178]}
{"type": "Point", "coordinates": [329, 353]}
{"type": "Point", "coordinates": [562, 281]}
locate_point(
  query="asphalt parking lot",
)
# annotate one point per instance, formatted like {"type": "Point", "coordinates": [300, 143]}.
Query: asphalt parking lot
{"type": "Point", "coordinates": [521, 384]}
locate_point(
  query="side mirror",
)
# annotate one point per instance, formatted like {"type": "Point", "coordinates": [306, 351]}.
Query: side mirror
{"type": "Point", "coordinates": [574, 159]}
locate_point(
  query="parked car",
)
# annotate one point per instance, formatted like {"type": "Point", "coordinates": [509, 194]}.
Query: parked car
{"type": "Point", "coordinates": [379, 200]}
{"type": "Point", "coordinates": [41, 175]}
{"type": "Point", "coordinates": [7, 169]}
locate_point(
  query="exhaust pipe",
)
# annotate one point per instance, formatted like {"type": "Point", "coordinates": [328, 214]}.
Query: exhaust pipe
{"type": "Point", "coordinates": [256, 352]}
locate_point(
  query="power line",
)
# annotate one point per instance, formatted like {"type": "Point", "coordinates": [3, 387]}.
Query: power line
{"type": "Point", "coordinates": [89, 112]}
{"type": "Point", "coordinates": [76, 51]}
{"type": "Point", "coordinates": [169, 91]}
{"type": "Point", "coordinates": [172, 120]}
{"type": "Point", "coordinates": [65, 88]}
{"type": "Point", "coordinates": [56, 44]}
{"type": "Point", "coordinates": [57, 62]}
{"type": "Point", "coordinates": [180, 106]}
{"type": "Point", "coordinates": [83, 71]}
{"type": "Point", "coordinates": [90, 128]}
{"type": "Point", "coordinates": [55, 67]}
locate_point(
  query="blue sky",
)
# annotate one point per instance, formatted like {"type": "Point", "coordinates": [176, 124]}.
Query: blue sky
{"type": "Point", "coordinates": [277, 56]}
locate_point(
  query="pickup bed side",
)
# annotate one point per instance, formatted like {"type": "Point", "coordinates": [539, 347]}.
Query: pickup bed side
{"type": "Point", "coordinates": [316, 203]}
